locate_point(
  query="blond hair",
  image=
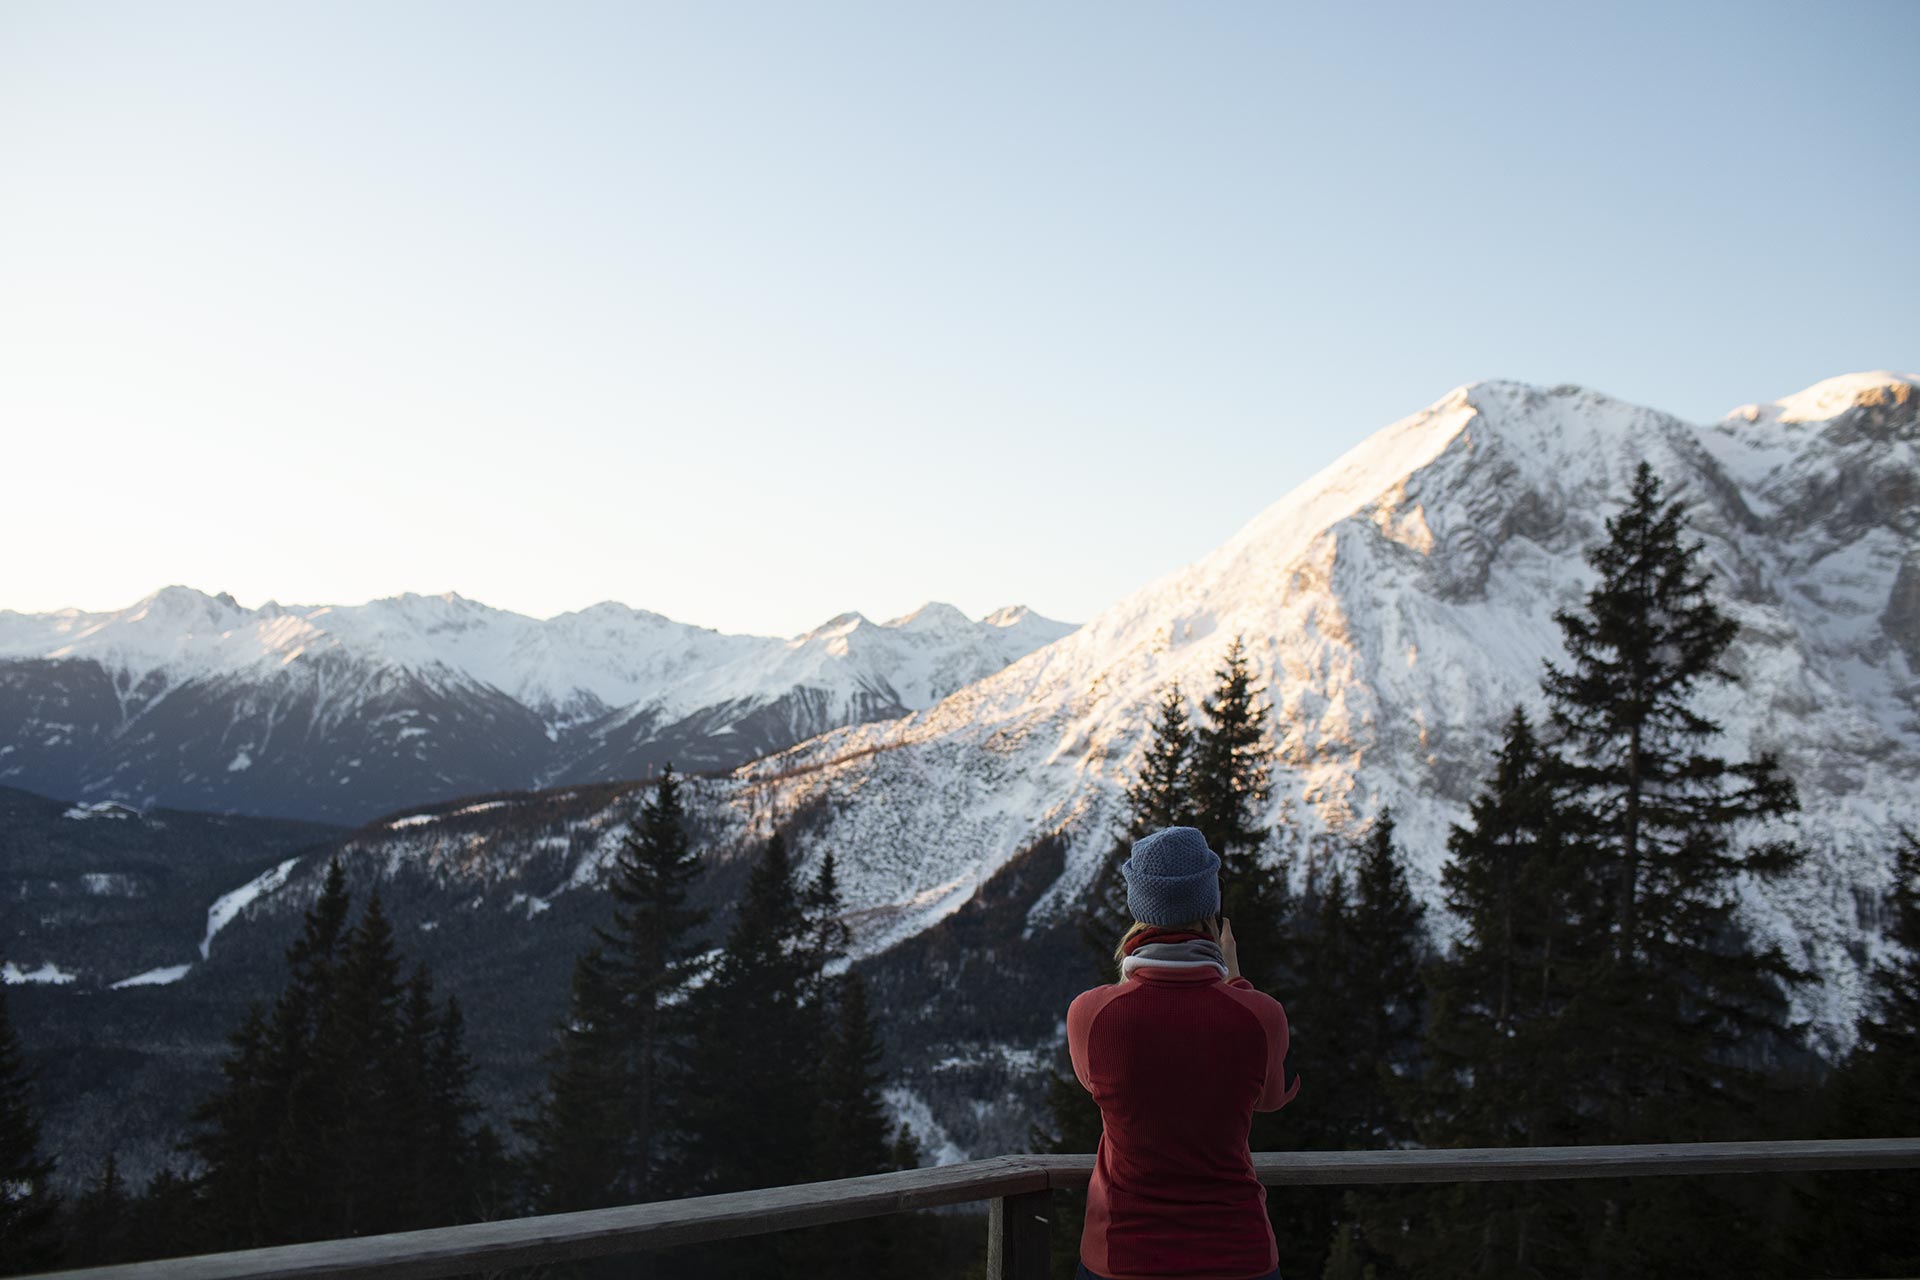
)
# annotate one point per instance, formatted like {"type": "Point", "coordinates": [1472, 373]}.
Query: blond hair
{"type": "Point", "coordinates": [1138, 927]}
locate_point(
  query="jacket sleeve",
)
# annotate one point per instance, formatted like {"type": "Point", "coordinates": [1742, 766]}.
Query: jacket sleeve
{"type": "Point", "coordinates": [1276, 1092]}
{"type": "Point", "coordinates": [1079, 1024]}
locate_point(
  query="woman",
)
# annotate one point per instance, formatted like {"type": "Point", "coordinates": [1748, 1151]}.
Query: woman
{"type": "Point", "coordinates": [1179, 1054]}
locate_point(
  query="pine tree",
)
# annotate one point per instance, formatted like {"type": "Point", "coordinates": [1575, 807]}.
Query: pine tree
{"type": "Point", "coordinates": [1674, 1005]}
{"type": "Point", "coordinates": [755, 1046]}
{"type": "Point", "coordinates": [604, 1130]}
{"type": "Point", "coordinates": [1231, 771]}
{"type": "Point", "coordinates": [1651, 814]}
{"type": "Point", "coordinates": [1389, 949]}
{"type": "Point", "coordinates": [29, 1209]}
{"type": "Point", "coordinates": [852, 1137]}
{"type": "Point", "coordinates": [756, 1051]}
{"type": "Point", "coordinates": [1161, 796]}
{"type": "Point", "coordinates": [1232, 779]}
{"type": "Point", "coordinates": [357, 1184]}
{"type": "Point", "coordinates": [576, 1157]}
{"type": "Point", "coordinates": [261, 1135]}
{"type": "Point", "coordinates": [1496, 1062]}
{"type": "Point", "coordinates": [653, 959]}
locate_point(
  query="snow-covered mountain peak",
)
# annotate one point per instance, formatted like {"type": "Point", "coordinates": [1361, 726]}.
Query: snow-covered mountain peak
{"type": "Point", "coordinates": [934, 617]}
{"type": "Point", "coordinates": [1832, 397]}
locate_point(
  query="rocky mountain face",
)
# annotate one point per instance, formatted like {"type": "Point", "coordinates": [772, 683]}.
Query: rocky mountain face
{"type": "Point", "coordinates": [340, 714]}
{"type": "Point", "coordinates": [1398, 606]}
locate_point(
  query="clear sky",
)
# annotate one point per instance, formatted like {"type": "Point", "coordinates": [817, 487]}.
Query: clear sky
{"type": "Point", "coordinates": [754, 313]}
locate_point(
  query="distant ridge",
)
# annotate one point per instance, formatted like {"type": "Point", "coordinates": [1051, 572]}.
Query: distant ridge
{"type": "Point", "coordinates": [340, 712]}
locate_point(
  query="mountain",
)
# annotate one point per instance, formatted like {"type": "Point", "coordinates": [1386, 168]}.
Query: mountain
{"type": "Point", "coordinates": [1398, 605]}
{"type": "Point", "coordinates": [341, 713]}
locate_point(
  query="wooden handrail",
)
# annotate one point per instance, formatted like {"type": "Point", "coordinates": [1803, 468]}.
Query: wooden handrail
{"type": "Point", "coordinates": [1019, 1186]}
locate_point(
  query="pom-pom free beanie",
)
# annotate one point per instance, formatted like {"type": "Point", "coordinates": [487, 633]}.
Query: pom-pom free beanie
{"type": "Point", "coordinates": [1172, 877]}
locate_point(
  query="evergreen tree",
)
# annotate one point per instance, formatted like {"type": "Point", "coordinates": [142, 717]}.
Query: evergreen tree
{"type": "Point", "coordinates": [261, 1136]}
{"type": "Point", "coordinates": [1676, 1009]}
{"type": "Point", "coordinates": [653, 959]}
{"type": "Point", "coordinates": [29, 1209]}
{"type": "Point", "coordinates": [1652, 813]}
{"type": "Point", "coordinates": [1232, 776]}
{"type": "Point", "coordinates": [355, 1181]}
{"type": "Point", "coordinates": [756, 1051]}
{"type": "Point", "coordinates": [1496, 1062]}
{"type": "Point", "coordinates": [853, 1136]}
{"type": "Point", "coordinates": [756, 1043]}
{"type": "Point", "coordinates": [576, 1157]}
{"type": "Point", "coordinates": [1389, 947]}
{"type": "Point", "coordinates": [1356, 1022]}
{"type": "Point", "coordinates": [605, 1130]}
{"type": "Point", "coordinates": [1232, 770]}
{"type": "Point", "coordinates": [1161, 796]}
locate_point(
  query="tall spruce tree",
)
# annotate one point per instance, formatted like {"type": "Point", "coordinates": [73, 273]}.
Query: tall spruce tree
{"type": "Point", "coordinates": [1356, 1018]}
{"type": "Point", "coordinates": [760, 1037]}
{"type": "Point", "coordinates": [605, 1130]}
{"type": "Point", "coordinates": [1389, 949]}
{"type": "Point", "coordinates": [1232, 780]}
{"type": "Point", "coordinates": [1653, 813]}
{"type": "Point", "coordinates": [259, 1134]}
{"type": "Point", "coordinates": [1496, 1062]}
{"type": "Point", "coordinates": [1677, 1007]}
{"type": "Point", "coordinates": [29, 1238]}
{"type": "Point", "coordinates": [756, 1044]}
{"type": "Point", "coordinates": [1160, 796]}
{"type": "Point", "coordinates": [576, 1137]}
{"type": "Point", "coordinates": [1232, 763]}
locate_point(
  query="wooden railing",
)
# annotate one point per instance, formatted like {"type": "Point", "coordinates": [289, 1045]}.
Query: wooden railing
{"type": "Point", "coordinates": [1019, 1188]}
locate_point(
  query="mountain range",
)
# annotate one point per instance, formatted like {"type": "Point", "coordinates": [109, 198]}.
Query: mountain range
{"type": "Point", "coordinates": [341, 713]}
{"type": "Point", "coordinates": [1396, 607]}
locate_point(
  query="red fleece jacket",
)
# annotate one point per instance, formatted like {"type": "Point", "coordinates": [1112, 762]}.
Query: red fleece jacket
{"type": "Point", "coordinates": [1179, 1061]}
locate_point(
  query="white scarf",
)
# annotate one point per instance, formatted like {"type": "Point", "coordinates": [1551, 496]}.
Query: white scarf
{"type": "Point", "coordinates": [1195, 953]}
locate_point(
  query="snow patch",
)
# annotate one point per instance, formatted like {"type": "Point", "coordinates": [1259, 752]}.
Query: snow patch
{"type": "Point", "coordinates": [100, 809]}
{"type": "Point", "coordinates": [154, 977]}
{"type": "Point", "coordinates": [910, 1109]}
{"type": "Point", "coordinates": [48, 972]}
{"type": "Point", "coordinates": [229, 905]}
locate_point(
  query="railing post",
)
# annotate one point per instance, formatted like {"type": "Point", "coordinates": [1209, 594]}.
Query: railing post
{"type": "Point", "coordinates": [1019, 1239]}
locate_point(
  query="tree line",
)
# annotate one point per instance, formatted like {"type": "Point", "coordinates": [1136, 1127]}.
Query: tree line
{"type": "Point", "coordinates": [1598, 985]}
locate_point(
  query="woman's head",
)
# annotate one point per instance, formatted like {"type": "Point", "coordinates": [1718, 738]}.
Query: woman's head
{"type": "Point", "coordinates": [1172, 878]}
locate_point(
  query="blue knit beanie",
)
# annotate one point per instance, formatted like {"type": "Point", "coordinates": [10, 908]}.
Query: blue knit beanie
{"type": "Point", "coordinates": [1172, 877]}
